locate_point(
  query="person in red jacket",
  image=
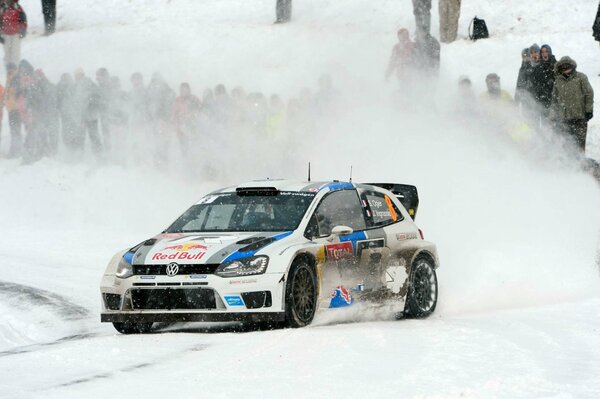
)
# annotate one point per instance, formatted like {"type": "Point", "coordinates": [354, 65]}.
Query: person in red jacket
{"type": "Point", "coordinates": [13, 27]}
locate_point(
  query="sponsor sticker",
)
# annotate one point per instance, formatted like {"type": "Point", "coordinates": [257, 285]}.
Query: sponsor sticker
{"type": "Point", "coordinates": [248, 281]}
{"type": "Point", "coordinates": [187, 251]}
{"type": "Point", "coordinates": [340, 297]}
{"type": "Point", "coordinates": [406, 236]}
{"type": "Point", "coordinates": [234, 300]}
{"type": "Point", "coordinates": [339, 251]}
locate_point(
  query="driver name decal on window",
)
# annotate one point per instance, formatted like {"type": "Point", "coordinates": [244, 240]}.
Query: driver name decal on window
{"type": "Point", "coordinates": [339, 251]}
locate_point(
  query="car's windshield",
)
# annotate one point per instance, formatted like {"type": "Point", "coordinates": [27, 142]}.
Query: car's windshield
{"type": "Point", "coordinates": [234, 212]}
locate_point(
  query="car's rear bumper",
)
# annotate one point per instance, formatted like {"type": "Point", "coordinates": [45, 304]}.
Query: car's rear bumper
{"type": "Point", "coordinates": [173, 317]}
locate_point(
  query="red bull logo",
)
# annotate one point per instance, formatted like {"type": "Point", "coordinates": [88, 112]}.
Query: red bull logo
{"type": "Point", "coordinates": [340, 297]}
{"type": "Point", "coordinates": [187, 251]}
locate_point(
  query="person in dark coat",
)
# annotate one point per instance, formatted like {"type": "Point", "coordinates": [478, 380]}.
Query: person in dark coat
{"type": "Point", "coordinates": [547, 64]}
{"type": "Point", "coordinates": [523, 80]}
{"type": "Point", "coordinates": [536, 83]}
{"type": "Point", "coordinates": [426, 55]}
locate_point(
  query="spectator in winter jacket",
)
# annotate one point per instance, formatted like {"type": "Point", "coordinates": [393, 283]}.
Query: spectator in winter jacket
{"type": "Point", "coordinates": [87, 99]}
{"type": "Point", "coordinates": [401, 57]}
{"type": "Point", "coordinates": [139, 113]}
{"type": "Point", "coordinates": [494, 91]}
{"type": "Point", "coordinates": [160, 101]}
{"type": "Point", "coordinates": [14, 117]}
{"type": "Point", "coordinates": [572, 103]}
{"type": "Point", "coordinates": [426, 56]}
{"type": "Point", "coordinates": [186, 114]}
{"type": "Point", "coordinates": [535, 86]}
{"type": "Point", "coordinates": [547, 64]}
{"type": "Point", "coordinates": [32, 108]}
{"type": "Point", "coordinates": [523, 79]}
{"type": "Point", "coordinates": [73, 136]}
{"type": "Point", "coordinates": [48, 116]}
{"type": "Point", "coordinates": [13, 27]}
{"type": "Point", "coordinates": [104, 100]}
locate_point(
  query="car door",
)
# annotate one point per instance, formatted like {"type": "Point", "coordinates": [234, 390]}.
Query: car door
{"type": "Point", "coordinates": [385, 220]}
{"type": "Point", "coordinates": [341, 256]}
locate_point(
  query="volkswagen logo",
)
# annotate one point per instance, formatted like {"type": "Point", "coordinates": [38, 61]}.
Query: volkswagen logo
{"type": "Point", "coordinates": [172, 269]}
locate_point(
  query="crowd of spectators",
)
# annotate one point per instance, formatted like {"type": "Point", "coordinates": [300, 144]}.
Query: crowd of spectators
{"type": "Point", "coordinates": [80, 115]}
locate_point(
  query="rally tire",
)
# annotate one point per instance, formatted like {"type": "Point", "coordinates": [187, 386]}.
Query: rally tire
{"type": "Point", "coordinates": [422, 293]}
{"type": "Point", "coordinates": [132, 328]}
{"type": "Point", "coordinates": [300, 294]}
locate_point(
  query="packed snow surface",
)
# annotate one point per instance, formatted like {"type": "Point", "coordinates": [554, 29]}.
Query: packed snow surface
{"type": "Point", "coordinates": [517, 227]}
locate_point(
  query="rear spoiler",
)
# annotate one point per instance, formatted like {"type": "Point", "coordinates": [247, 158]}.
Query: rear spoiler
{"type": "Point", "coordinates": [406, 194]}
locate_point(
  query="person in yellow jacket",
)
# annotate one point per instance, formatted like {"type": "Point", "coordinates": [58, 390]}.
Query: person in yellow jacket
{"type": "Point", "coordinates": [494, 90]}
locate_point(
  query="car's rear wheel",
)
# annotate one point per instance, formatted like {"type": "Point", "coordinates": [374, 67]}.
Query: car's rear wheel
{"type": "Point", "coordinates": [132, 328]}
{"type": "Point", "coordinates": [423, 289]}
{"type": "Point", "coordinates": [300, 294]}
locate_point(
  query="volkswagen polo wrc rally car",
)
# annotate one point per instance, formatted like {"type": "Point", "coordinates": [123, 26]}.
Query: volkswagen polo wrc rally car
{"type": "Point", "coordinates": [276, 251]}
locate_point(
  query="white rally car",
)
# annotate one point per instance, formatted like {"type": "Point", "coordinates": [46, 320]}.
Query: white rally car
{"type": "Point", "coordinates": [276, 251]}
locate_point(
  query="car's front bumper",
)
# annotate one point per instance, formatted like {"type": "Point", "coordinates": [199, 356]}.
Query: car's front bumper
{"type": "Point", "coordinates": [192, 298]}
{"type": "Point", "coordinates": [177, 316]}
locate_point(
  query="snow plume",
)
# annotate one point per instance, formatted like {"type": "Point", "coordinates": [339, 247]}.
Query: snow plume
{"type": "Point", "coordinates": [515, 218]}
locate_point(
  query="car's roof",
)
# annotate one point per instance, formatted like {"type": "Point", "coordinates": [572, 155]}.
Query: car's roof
{"type": "Point", "coordinates": [290, 185]}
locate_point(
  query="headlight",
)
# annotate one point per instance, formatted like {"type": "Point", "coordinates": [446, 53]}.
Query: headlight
{"type": "Point", "coordinates": [243, 267]}
{"type": "Point", "coordinates": [124, 268]}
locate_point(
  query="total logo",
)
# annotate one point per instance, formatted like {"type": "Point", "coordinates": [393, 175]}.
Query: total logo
{"type": "Point", "coordinates": [340, 251]}
{"type": "Point", "coordinates": [188, 251]}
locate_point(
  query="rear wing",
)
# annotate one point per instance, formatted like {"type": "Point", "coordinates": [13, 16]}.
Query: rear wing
{"type": "Point", "coordinates": [406, 194]}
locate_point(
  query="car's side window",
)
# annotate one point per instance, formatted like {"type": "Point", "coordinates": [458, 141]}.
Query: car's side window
{"type": "Point", "coordinates": [340, 208]}
{"type": "Point", "coordinates": [381, 209]}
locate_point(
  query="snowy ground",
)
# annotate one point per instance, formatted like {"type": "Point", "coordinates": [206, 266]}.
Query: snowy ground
{"type": "Point", "coordinates": [517, 228]}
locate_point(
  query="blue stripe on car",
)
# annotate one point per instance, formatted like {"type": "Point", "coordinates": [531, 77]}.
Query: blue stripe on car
{"type": "Point", "coordinates": [246, 254]}
{"type": "Point", "coordinates": [353, 238]}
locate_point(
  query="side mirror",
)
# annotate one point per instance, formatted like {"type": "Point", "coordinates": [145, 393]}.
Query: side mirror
{"type": "Point", "coordinates": [339, 231]}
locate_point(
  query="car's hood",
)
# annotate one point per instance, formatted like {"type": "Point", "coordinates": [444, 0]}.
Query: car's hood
{"type": "Point", "coordinates": [202, 248]}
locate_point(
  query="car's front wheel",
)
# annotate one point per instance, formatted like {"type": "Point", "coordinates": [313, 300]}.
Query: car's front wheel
{"type": "Point", "coordinates": [423, 289]}
{"type": "Point", "coordinates": [300, 294]}
{"type": "Point", "coordinates": [132, 328]}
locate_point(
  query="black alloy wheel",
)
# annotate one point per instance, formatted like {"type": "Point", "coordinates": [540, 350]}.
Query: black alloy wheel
{"type": "Point", "coordinates": [423, 290]}
{"type": "Point", "coordinates": [300, 295]}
